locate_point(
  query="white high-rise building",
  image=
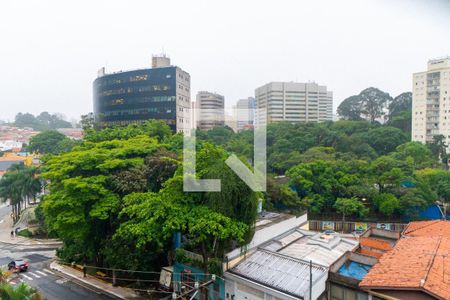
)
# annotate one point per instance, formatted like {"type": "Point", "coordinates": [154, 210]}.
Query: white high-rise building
{"type": "Point", "coordinates": [431, 101]}
{"type": "Point", "coordinates": [293, 102]}
{"type": "Point", "coordinates": [211, 110]}
{"type": "Point", "coordinates": [244, 112]}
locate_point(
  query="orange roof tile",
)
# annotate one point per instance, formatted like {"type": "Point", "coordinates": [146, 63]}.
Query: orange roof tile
{"type": "Point", "coordinates": [375, 243]}
{"type": "Point", "coordinates": [370, 253]}
{"type": "Point", "coordinates": [12, 158]}
{"type": "Point", "coordinates": [428, 228]}
{"type": "Point", "coordinates": [416, 263]}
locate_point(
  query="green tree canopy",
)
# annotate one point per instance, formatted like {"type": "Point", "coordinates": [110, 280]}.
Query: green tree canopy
{"type": "Point", "coordinates": [42, 122]}
{"type": "Point", "coordinates": [371, 104]}
{"type": "Point", "coordinates": [50, 142]}
{"type": "Point", "coordinates": [350, 206]}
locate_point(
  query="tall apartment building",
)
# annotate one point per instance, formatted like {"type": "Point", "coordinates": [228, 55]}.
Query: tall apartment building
{"type": "Point", "coordinates": [210, 110]}
{"type": "Point", "coordinates": [244, 112]}
{"type": "Point", "coordinates": [431, 102]}
{"type": "Point", "coordinates": [293, 102]}
{"type": "Point", "coordinates": [159, 93]}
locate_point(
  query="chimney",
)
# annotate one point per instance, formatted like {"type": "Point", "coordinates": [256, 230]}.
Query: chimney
{"type": "Point", "coordinates": [160, 61]}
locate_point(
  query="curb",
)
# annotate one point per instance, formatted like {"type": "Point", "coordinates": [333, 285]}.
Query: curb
{"type": "Point", "coordinates": [51, 244]}
{"type": "Point", "coordinates": [57, 267]}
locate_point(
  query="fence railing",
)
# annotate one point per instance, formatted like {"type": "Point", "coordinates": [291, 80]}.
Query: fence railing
{"type": "Point", "coordinates": [348, 227]}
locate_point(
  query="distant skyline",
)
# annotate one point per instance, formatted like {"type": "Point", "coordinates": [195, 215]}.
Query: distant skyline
{"type": "Point", "coordinates": [51, 50]}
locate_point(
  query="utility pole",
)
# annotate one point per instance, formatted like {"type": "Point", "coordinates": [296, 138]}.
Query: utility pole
{"type": "Point", "coordinates": [310, 280]}
{"type": "Point", "coordinates": [193, 290]}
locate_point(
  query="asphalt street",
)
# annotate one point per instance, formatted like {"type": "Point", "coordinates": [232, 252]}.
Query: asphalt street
{"type": "Point", "coordinates": [51, 284]}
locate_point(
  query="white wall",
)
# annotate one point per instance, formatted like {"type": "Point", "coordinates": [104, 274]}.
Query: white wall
{"type": "Point", "coordinates": [265, 234]}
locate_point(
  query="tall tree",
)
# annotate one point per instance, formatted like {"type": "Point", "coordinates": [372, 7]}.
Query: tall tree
{"type": "Point", "coordinates": [350, 206]}
{"type": "Point", "coordinates": [371, 104]}
{"type": "Point", "coordinates": [385, 139]}
{"type": "Point", "coordinates": [351, 108]}
{"type": "Point", "coordinates": [44, 121]}
{"type": "Point", "coordinates": [18, 185]}
{"type": "Point", "coordinates": [439, 148]}
{"type": "Point", "coordinates": [400, 104]}
{"type": "Point", "coordinates": [50, 142]}
{"type": "Point", "coordinates": [374, 103]}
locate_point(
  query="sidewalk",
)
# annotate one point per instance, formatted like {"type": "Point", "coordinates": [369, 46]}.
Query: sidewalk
{"type": "Point", "coordinates": [6, 225]}
{"type": "Point", "coordinates": [106, 288]}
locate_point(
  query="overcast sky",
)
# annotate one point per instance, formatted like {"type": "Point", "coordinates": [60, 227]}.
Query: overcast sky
{"type": "Point", "coordinates": [50, 51]}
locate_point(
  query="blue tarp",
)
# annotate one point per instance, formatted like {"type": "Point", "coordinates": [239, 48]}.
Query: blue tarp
{"type": "Point", "coordinates": [354, 270]}
{"type": "Point", "coordinates": [432, 213]}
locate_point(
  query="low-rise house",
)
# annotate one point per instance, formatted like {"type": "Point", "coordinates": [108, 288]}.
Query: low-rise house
{"type": "Point", "coordinates": [72, 133]}
{"type": "Point", "coordinates": [187, 271]}
{"type": "Point", "coordinates": [346, 274]}
{"type": "Point", "coordinates": [269, 225]}
{"type": "Point", "coordinates": [270, 275]}
{"type": "Point", "coordinates": [428, 228]}
{"type": "Point", "coordinates": [9, 145]}
{"type": "Point", "coordinates": [417, 267]}
{"type": "Point", "coordinates": [374, 242]}
{"type": "Point", "coordinates": [8, 161]}
{"type": "Point", "coordinates": [285, 256]}
{"type": "Point", "coordinates": [321, 248]}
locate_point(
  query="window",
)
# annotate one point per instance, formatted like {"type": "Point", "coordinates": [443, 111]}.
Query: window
{"type": "Point", "coordinates": [342, 293]}
{"type": "Point", "coordinates": [337, 293]}
{"type": "Point", "coordinates": [138, 77]}
{"type": "Point", "coordinates": [362, 296]}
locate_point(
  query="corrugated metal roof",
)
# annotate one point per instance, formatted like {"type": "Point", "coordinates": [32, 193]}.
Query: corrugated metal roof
{"type": "Point", "coordinates": [279, 272]}
{"type": "Point", "coordinates": [308, 245]}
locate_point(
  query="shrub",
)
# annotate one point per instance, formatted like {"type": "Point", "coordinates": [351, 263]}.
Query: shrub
{"type": "Point", "coordinates": [25, 233]}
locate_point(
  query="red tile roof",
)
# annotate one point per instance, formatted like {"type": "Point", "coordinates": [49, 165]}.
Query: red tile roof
{"type": "Point", "coordinates": [370, 253]}
{"type": "Point", "coordinates": [428, 228]}
{"type": "Point", "coordinates": [375, 243]}
{"type": "Point", "coordinates": [416, 263]}
{"type": "Point", "coordinates": [12, 158]}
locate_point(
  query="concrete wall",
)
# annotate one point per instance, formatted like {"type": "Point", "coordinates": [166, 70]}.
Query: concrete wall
{"type": "Point", "coordinates": [382, 233]}
{"type": "Point", "coordinates": [429, 111]}
{"type": "Point", "coordinates": [265, 234]}
{"type": "Point", "coordinates": [244, 289]}
{"type": "Point", "coordinates": [293, 102]}
{"type": "Point", "coordinates": [183, 114]}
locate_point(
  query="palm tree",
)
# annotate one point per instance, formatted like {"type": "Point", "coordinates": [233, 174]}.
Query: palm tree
{"type": "Point", "coordinates": [10, 190]}
{"type": "Point", "coordinates": [31, 184]}
{"type": "Point", "coordinates": [18, 185]}
{"type": "Point", "coordinates": [21, 292]}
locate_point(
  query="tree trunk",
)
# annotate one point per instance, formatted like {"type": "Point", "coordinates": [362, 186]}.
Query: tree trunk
{"type": "Point", "coordinates": [203, 292]}
{"type": "Point", "coordinates": [205, 258]}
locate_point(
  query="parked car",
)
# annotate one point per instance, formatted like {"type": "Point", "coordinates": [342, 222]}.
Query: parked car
{"type": "Point", "coordinates": [18, 265]}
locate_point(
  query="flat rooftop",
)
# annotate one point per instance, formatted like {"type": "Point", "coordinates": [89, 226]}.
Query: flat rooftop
{"type": "Point", "coordinates": [280, 272]}
{"type": "Point", "coordinates": [307, 245]}
{"type": "Point", "coordinates": [266, 219]}
{"type": "Point", "coordinates": [354, 269]}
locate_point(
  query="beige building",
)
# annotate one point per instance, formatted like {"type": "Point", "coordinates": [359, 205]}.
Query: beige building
{"type": "Point", "coordinates": [210, 109]}
{"type": "Point", "coordinates": [431, 101]}
{"type": "Point", "coordinates": [293, 102]}
{"type": "Point", "coordinates": [244, 112]}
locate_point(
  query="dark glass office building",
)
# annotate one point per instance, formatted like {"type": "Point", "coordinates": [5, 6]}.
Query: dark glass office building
{"type": "Point", "coordinates": [160, 93]}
